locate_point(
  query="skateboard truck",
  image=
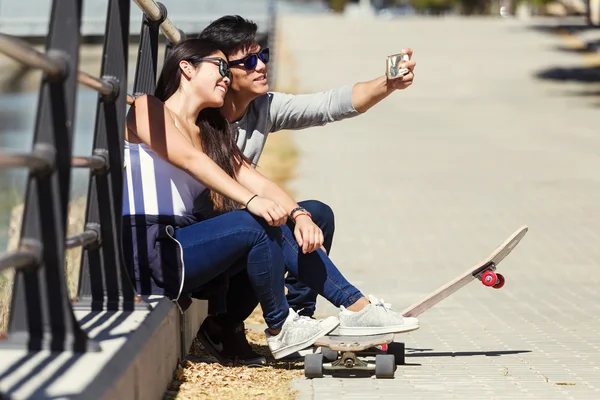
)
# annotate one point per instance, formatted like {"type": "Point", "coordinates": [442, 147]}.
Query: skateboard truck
{"type": "Point", "coordinates": [347, 353]}
{"type": "Point", "coordinates": [488, 276]}
{"type": "Point", "coordinates": [384, 366]}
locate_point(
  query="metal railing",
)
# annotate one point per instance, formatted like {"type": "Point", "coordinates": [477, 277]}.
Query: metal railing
{"type": "Point", "coordinates": [42, 315]}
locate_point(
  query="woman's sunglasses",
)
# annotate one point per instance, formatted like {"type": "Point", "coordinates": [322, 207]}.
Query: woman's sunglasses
{"type": "Point", "coordinates": [249, 62]}
{"type": "Point", "coordinates": [223, 66]}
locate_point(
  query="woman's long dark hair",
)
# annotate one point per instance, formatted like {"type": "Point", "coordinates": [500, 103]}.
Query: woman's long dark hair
{"type": "Point", "coordinates": [215, 135]}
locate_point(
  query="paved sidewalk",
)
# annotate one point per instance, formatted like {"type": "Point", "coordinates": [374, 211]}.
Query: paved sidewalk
{"type": "Point", "coordinates": [432, 180]}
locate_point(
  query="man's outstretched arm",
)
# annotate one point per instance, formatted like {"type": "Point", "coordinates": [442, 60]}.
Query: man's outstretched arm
{"type": "Point", "coordinates": [366, 94]}
{"type": "Point", "coordinates": [307, 110]}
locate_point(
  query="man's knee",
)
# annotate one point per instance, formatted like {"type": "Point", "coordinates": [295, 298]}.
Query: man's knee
{"type": "Point", "coordinates": [321, 212]}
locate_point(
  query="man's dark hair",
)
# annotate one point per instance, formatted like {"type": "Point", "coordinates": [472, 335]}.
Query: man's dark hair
{"type": "Point", "coordinates": [232, 33]}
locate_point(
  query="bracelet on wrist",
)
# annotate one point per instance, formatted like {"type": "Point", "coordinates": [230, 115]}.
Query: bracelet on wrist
{"type": "Point", "coordinates": [295, 210]}
{"type": "Point", "coordinates": [303, 213]}
{"type": "Point", "coordinates": [251, 198]}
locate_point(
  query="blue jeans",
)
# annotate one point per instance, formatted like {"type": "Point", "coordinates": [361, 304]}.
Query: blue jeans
{"type": "Point", "coordinates": [241, 300]}
{"type": "Point", "coordinates": [301, 298]}
{"type": "Point", "coordinates": [238, 240]}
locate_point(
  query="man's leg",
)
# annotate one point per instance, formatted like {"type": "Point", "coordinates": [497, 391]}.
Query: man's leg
{"type": "Point", "coordinates": [228, 327]}
{"type": "Point", "coordinates": [225, 332]}
{"type": "Point", "coordinates": [241, 299]}
{"type": "Point", "coordinates": [300, 297]}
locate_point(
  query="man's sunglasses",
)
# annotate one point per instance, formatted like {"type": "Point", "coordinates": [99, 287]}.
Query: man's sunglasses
{"type": "Point", "coordinates": [223, 66]}
{"type": "Point", "coordinates": [249, 62]}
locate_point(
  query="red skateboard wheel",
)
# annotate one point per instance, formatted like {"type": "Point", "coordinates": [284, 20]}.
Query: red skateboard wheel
{"type": "Point", "coordinates": [500, 282]}
{"type": "Point", "coordinates": [489, 278]}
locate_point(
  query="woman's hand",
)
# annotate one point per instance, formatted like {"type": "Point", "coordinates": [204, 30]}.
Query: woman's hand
{"type": "Point", "coordinates": [308, 235]}
{"type": "Point", "coordinates": [272, 212]}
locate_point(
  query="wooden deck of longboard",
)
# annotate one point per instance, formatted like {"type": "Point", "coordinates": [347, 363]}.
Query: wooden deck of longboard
{"type": "Point", "coordinates": [353, 343]}
{"type": "Point", "coordinates": [446, 290]}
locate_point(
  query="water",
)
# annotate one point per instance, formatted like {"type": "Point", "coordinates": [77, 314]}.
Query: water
{"type": "Point", "coordinates": [188, 15]}
{"type": "Point", "coordinates": [17, 123]}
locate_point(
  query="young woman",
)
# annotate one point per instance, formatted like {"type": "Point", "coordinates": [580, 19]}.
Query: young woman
{"type": "Point", "coordinates": [177, 147]}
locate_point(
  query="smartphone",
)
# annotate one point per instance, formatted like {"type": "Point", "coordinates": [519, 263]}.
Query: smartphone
{"type": "Point", "coordinates": [392, 66]}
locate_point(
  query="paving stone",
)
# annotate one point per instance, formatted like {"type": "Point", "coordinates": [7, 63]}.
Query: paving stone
{"type": "Point", "coordinates": [431, 180]}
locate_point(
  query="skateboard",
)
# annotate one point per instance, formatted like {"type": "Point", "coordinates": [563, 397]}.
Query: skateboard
{"type": "Point", "coordinates": [346, 353]}
{"type": "Point", "coordinates": [485, 271]}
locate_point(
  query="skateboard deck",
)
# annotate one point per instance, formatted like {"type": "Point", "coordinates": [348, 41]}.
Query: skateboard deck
{"type": "Point", "coordinates": [353, 343]}
{"type": "Point", "coordinates": [340, 352]}
{"type": "Point", "coordinates": [484, 271]}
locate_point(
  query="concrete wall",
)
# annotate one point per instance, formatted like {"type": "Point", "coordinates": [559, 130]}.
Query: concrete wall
{"type": "Point", "coordinates": [138, 353]}
{"type": "Point", "coordinates": [152, 371]}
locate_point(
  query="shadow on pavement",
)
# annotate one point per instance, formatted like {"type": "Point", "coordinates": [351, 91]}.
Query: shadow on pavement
{"type": "Point", "coordinates": [562, 28]}
{"type": "Point", "coordinates": [582, 93]}
{"type": "Point", "coordinates": [492, 353]}
{"type": "Point", "coordinates": [588, 47]}
{"type": "Point", "coordinates": [584, 74]}
{"type": "Point", "coordinates": [570, 74]}
{"type": "Point", "coordinates": [36, 372]}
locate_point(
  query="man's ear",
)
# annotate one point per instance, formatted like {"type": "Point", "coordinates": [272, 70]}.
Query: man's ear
{"type": "Point", "coordinates": [187, 69]}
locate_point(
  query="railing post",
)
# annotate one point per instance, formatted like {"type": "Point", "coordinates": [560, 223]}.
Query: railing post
{"type": "Point", "coordinates": [170, 44]}
{"type": "Point", "coordinates": [104, 283]}
{"type": "Point", "coordinates": [41, 316]}
{"type": "Point", "coordinates": [147, 60]}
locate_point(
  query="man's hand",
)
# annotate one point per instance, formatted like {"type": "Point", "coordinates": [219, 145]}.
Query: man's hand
{"type": "Point", "coordinates": [308, 235]}
{"type": "Point", "coordinates": [366, 94]}
{"type": "Point", "coordinates": [406, 80]}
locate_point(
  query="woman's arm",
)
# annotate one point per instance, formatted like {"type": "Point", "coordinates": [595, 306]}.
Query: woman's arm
{"type": "Point", "coordinates": [308, 235]}
{"type": "Point", "coordinates": [150, 122]}
{"type": "Point", "coordinates": [264, 187]}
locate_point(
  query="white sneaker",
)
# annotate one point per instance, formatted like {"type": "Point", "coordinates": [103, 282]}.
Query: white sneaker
{"type": "Point", "coordinates": [300, 354]}
{"type": "Point", "coordinates": [297, 333]}
{"type": "Point", "coordinates": [376, 318]}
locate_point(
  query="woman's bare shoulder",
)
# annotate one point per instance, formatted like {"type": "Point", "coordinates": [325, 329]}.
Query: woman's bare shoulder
{"type": "Point", "coordinates": [143, 109]}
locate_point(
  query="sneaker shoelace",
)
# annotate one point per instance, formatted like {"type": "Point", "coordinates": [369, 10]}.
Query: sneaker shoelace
{"type": "Point", "coordinates": [298, 320]}
{"type": "Point", "coordinates": [381, 303]}
{"type": "Point", "coordinates": [304, 320]}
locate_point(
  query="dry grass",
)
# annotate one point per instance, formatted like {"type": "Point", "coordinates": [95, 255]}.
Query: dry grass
{"type": "Point", "coordinates": [6, 280]}
{"type": "Point", "coordinates": [201, 377]}
{"type": "Point", "coordinates": [279, 159]}
{"type": "Point", "coordinates": [72, 256]}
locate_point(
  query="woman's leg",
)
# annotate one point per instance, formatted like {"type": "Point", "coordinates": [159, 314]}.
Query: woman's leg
{"type": "Point", "coordinates": [212, 247]}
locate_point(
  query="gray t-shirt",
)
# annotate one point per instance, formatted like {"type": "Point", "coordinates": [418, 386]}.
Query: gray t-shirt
{"type": "Point", "coordinates": [275, 111]}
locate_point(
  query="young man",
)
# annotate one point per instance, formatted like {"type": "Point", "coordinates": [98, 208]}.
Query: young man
{"type": "Point", "coordinates": [254, 112]}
